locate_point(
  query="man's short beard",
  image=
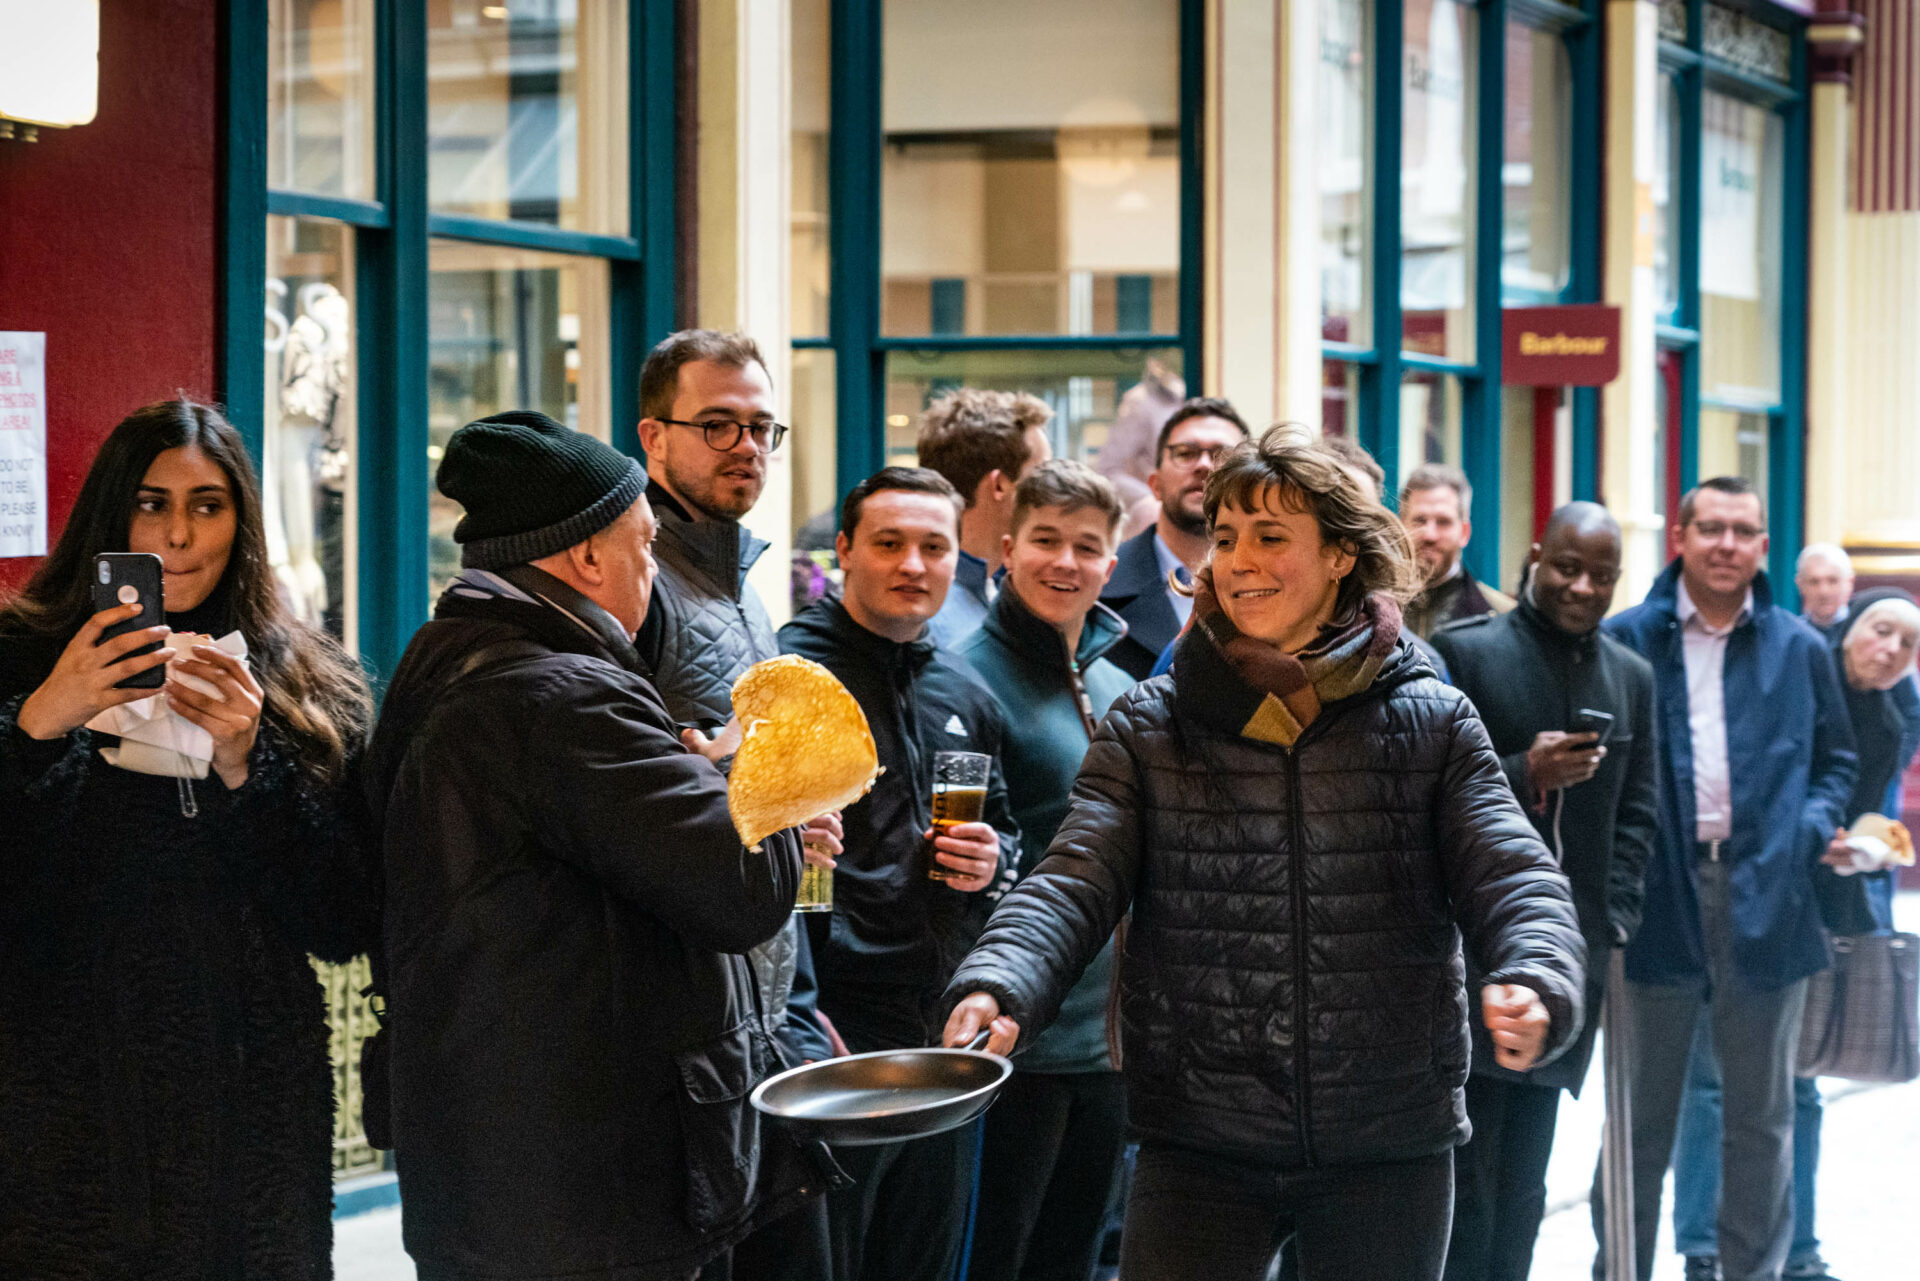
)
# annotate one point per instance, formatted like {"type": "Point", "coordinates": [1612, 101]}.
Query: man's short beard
{"type": "Point", "coordinates": [1192, 526]}
{"type": "Point", "coordinates": [704, 502]}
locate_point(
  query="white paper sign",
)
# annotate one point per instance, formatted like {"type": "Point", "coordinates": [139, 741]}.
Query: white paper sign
{"type": "Point", "coordinates": [23, 444]}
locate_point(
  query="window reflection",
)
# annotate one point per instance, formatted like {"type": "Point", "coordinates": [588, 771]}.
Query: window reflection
{"type": "Point", "coordinates": [1741, 207]}
{"type": "Point", "coordinates": [812, 61]}
{"type": "Point", "coordinates": [1430, 412]}
{"type": "Point", "coordinates": [1733, 443]}
{"type": "Point", "coordinates": [320, 103]}
{"type": "Point", "coordinates": [1436, 179]}
{"type": "Point", "coordinates": [308, 438]}
{"type": "Point", "coordinates": [1031, 178]}
{"type": "Point", "coordinates": [527, 112]}
{"type": "Point", "coordinates": [509, 329]}
{"type": "Point", "coordinates": [1346, 188]}
{"type": "Point", "coordinates": [1108, 406]}
{"type": "Point", "coordinates": [1537, 170]}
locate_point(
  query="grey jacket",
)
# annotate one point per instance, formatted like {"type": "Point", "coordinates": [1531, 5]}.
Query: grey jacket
{"type": "Point", "coordinates": [704, 627]}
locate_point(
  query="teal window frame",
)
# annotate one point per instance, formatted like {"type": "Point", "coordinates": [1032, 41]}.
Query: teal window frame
{"type": "Point", "coordinates": [854, 147]}
{"type": "Point", "coordinates": [1382, 365]}
{"type": "Point", "coordinates": [1696, 71]}
{"type": "Point", "coordinates": [391, 235]}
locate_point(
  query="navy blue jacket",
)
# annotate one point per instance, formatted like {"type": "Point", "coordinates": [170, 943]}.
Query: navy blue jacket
{"type": "Point", "coordinates": [1790, 753]}
{"type": "Point", "coordinates": [1138, 593]}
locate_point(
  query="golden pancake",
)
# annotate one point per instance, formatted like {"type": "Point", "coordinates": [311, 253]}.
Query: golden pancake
{"type": "Point", "coordinates": [1890, 831]}
{"type": "Point", "coordinates": [807, 749]}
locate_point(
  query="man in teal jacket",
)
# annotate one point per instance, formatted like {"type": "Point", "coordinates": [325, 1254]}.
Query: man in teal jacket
{"type": "Point", "coordinates": [1756, 765]}
{"type": "Point", "coordinates": [1053, 1141]}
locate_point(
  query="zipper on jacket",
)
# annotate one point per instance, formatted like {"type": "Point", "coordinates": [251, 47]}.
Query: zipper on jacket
{"type": "Point", "coordinates": [1081, 698]}
{"type": "Point", "coordinates": [1300, 950]}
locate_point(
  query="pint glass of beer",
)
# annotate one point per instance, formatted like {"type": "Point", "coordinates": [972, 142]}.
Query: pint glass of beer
{"type": "Point", "coordinates": [959, 794]}
{"type": "Point", "coordinates": [816, 889]}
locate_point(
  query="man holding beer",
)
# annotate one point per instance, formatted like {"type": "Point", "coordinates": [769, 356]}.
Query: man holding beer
{"type": "Point", "coordinates": [910, 894]}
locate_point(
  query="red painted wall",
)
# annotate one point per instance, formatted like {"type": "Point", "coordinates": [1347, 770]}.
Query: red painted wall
{"type": "Point", "coordinates": [108, 238]}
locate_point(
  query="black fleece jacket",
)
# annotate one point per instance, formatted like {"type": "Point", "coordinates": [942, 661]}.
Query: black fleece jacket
{"type": "Point", "coordinates": [884, 953]}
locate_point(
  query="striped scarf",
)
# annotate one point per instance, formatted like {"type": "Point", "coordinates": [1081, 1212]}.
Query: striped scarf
{"type": "Point", "coordinates": [1286, 691]}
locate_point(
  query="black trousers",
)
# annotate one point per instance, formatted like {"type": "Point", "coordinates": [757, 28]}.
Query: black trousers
{"type": "Point", "coordinates": [1500, 1179]}
{"type": "Point", "coordinates": [1197, 1217]}
{"type": "Point", "coordinates": [905, 1217]}
{"type": "Point", "coordinates": [1049, 1158]}
{"type": "Point", "coordinates": [794, 1247]}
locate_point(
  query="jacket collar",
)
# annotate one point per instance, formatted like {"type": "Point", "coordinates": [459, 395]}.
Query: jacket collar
{"type": "Point", "coordinates": [1025, 632]}
{"type": "Point", "coordinates": [537, 602]}
{"type": "Point", "coordinates": [1664, 596]}
{"type": "Point", "coordinates": [970, 575]}
{"type": "Point", "coordinates": [845, 632]}
{"type": "Point", "coordinates": [724, 550]}
{"type": "Point", "coordinates": [1529, 616]}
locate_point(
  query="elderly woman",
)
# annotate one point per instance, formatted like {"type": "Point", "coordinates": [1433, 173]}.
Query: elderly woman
{"type": "Point", "coordinates": [1298, 817]}
{"type": "Point", "coordinates": [1874, 651]}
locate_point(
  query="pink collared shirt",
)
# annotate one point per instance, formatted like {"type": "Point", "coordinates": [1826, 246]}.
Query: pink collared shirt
{"type": "Point", "coordinates": [1705, 652]}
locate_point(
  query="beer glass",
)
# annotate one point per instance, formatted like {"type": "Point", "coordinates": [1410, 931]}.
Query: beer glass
{"type": "Point", "coordinates": [816, 889]}
{"type": "Point", "coordinates": [959, 795]}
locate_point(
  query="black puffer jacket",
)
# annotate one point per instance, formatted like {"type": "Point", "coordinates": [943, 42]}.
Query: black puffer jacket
{"type": "Point", "coordinates": [1293, 992]}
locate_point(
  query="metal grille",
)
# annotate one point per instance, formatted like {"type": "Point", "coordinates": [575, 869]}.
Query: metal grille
{"type": "Point", "coordinates": [350, 1021]}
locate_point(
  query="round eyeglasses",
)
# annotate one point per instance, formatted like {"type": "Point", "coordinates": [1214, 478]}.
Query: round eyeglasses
{"type": "Point", "coordinates": [723, 434]}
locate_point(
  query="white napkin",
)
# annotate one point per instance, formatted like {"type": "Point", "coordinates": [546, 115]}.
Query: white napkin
{"type": "Point", "coordinates": [154, 739]}
{"type": "Point", "coordinates": [1870, 854]}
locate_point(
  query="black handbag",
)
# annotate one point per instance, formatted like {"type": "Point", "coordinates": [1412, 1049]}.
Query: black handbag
{"type": "Point", "coordinates": [1863, 1013]}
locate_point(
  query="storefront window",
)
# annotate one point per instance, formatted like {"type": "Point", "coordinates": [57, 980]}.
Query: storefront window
{"type": "Point", "coordinates": [1436, 178]}
{"type": "Point", "coordinates": [1430, 415]}
{"type": "Point", "coordinates": [509, 329]}
{"type": "Point", "coordinates": [1741, 208]}
{"type": "Point", "coordinates": [813, 454]}
{"type": "Point", "coordinates": [1346, 189]}
{"type": "Point", "coordinates": [811, 262]}
{"type": "Point", "coordinates": [308, 437]}
{"type": "Point", "coordinates": [1031, 177]}
{"type": "Point", "coordinates": [1733, 443]}
{"type": "Point", "coordinates": [1666, 196]}
{"type": "Point", "coordinates": [527, 112]}
{"type": "Point", "coordinates": [1537, 165]}
{"type": "Point", "coordinates": [1108, 406]}
{"type": "Point", "coordinates": [320, 99]}
{"type": "Point", "coordinates": [1340, 399]}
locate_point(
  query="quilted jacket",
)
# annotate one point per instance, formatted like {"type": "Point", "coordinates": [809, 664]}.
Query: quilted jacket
{"type": "Point", "coordinates": [705, 625]}
{"type": "Point", "coordinates": [1293, 991]}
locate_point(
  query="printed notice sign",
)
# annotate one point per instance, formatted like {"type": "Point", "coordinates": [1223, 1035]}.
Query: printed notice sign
{"type": "Point", "coordinates": [23, 444]}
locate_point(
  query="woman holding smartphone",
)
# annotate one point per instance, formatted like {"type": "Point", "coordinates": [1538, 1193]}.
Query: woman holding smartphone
{"type": "Point", "coordinates": [1303, 822]}
{"type": "Point", "coordinates": [166, 1097]}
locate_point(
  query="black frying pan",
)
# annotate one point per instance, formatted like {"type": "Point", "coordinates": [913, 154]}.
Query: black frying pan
{"type": "Point", "coordinates": [885, 1096]}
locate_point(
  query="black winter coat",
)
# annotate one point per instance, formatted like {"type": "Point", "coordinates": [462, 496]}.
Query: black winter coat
{"type": "Point", "coordinates": [885, 952]}
{"type": "Point", "coordinates": [166, 1099]}
{"type": "Point", "coordinates": [573, 1021]}
{"type": "Point", "coordinates": [1526, 676]}
{"type": "Point", "coordinates": [1293, 992]}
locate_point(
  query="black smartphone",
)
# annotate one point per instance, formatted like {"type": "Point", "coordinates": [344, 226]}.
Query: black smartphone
{"type": "Point", "coordinates": [126, 578]}
{"type": "Point", "coordinates": [1589, 721]}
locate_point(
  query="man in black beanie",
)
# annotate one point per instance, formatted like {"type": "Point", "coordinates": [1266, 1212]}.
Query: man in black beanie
{"type": "Point", "coordinates": [571, 1014]}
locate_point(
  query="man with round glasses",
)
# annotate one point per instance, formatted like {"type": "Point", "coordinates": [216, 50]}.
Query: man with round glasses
{"type": "Point", "coordinates": [707, 428]}
{"type": "Point", "coordinates": [1196, 437]}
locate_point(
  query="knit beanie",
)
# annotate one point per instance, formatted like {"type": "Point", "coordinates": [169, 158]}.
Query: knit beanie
{"type": "Point", "coordinates": [531, 487]}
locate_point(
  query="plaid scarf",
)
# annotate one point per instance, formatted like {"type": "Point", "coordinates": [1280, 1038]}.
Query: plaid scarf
{"type": "Point", "coordinates": [1284, 692]}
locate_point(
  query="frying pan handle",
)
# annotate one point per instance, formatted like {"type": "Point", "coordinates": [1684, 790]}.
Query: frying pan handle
{"type": "Point", "coordinates": [980, 1042]}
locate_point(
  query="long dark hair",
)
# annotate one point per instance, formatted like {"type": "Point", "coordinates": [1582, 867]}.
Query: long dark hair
{"type": "Point", "coordinates": [315, 692]}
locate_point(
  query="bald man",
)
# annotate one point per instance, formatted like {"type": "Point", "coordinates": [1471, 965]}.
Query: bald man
{"type": "Point", "coordinates": [1534, 674]}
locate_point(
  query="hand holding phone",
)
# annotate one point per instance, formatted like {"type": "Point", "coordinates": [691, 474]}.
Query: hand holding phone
{"type": "Point", "coordinates": [87, 679]}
